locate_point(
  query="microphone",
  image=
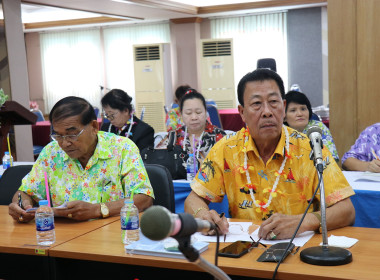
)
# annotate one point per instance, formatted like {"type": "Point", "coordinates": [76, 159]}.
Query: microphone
{"type": "Point", "coordinates": [157, 223]}
{"type": "Point", "coordinates": [315, 135]}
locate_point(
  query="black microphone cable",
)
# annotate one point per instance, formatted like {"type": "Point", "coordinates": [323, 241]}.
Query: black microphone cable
{"type": "Point", "coordinates": [298, 227]}
{"type": "Point", "coordinates": [217, 245]}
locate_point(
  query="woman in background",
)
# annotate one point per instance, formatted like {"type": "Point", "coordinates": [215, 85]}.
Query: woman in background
{"type": "Point", "coordinates": [197, 135]}
{"type": "Point", "coordinates": [298, 116]}
{"type": "Point", "coordinates": [117, 109]}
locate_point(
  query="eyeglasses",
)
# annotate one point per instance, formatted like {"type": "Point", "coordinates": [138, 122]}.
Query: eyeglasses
{"type": "Point", "coordinates": [110, 117]}
{"type": "Point", "coordinates": [70, 138]}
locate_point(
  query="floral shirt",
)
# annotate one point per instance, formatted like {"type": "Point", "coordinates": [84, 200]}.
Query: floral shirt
{"type": "Point", "coordinates": [368, 140]}
{"type": "Point", "coordinates": [113, 171]}
{"type": "Point", "coordinates": [222, 173]}
{"type": "Point", "coordinates": [326, 137]}
{"type": "Point", "coordinates": [210, 136]}
{"type": "Point", "coordinates": [173, 119]}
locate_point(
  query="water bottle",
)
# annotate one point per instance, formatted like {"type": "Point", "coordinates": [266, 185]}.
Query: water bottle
{"type": "Point", "coordinates": [129, 219]}
{"type": "Point", "coordinates": [190, 168]}
{"type": "Point", "coordinates": [7, 159]}
{"type": "Point", "coordinates": [45, 224]}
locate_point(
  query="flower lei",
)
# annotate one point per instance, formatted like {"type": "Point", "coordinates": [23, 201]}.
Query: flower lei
{"type": "Point", "coordinates": [130, 121]}
{"type": "Point", "coordinates": [263, 205]}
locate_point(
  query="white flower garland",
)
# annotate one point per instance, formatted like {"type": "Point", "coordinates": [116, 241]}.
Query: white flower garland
{"type": "Point", "coordinates": [278, 177]}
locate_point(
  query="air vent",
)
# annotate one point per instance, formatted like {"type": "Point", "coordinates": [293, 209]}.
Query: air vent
{"type": "Point", "coordinates": [216, 48]}
{"type": "Point", "coordinates": [147, 53]}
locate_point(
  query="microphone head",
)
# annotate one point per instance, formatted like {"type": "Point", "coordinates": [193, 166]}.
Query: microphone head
{"type": "Point", "coordinates": [156, 223]}
{"type": "Point", "coordinates": [313, 129]}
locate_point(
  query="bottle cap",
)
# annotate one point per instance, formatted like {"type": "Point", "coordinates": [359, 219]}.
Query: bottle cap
{"type": "Point", "coordinates": [6, 153]}
{"type": "Point", "coordinates": [127, 200]}
{"type": "Point", "coordinates": [43, 202]}
{"type": "Point", "coordinates": [191, 155]}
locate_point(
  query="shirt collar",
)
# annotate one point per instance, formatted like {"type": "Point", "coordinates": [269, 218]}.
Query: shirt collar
{"type": "Point", "coordinates": [103, 153]}
{"type": "Point", "coordinates": [280, 149]}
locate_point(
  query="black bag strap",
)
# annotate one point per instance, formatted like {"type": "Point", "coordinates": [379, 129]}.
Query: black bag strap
{"type": "Point", "coordinates": [171, 141]}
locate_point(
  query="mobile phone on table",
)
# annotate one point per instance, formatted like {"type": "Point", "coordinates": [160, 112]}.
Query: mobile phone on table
{"type": "Point", "coordinates": [236, 249]}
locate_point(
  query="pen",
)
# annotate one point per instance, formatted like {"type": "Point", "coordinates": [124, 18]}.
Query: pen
{"type": "Point", "coordinates": [374, 154]}
{"type": "Point", "coordinates": [221, 216]}
{"type": "Point", "coordinates": [20, 201]}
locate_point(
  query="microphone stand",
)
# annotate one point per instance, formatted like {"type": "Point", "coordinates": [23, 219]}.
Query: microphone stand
{"type": "Point", "coordinates": [192, 255]}
{"type": "Point", "coordinates": [324, 255]}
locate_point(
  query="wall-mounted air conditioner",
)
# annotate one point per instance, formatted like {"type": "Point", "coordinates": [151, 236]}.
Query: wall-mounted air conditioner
{"type": "Point", "coordinates": [217, 72]}
{"type": "Point", "coordinates": [153, 83]}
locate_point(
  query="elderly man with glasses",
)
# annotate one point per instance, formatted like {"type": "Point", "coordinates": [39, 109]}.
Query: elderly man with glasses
{"type": "Point", "coordinates": [89, 172]}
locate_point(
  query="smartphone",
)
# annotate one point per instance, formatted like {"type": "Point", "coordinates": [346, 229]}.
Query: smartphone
{"type": "Point", "coordinates": [236, 249]}
{"type": "Point", "coordinates": [31, 209]}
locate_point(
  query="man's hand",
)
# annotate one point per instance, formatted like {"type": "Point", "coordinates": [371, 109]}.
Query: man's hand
{"type": "Point", "coordinates": [374, 166]}
{"type": "Point", "coordinates": [79, 210]}
{"type": "Point", "coordinates": [279, 225]}
{"type": "Point", "coordinates": [20, 214]}
{"type": "Point", "coordinates": [213, 217]}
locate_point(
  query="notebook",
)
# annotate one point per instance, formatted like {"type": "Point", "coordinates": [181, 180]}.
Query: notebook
{"type": "Point", "coordinates": [148, 247]}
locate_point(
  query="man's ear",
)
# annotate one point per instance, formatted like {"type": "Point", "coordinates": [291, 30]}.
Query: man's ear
{"type": "Point", "coordinates": [241, 112]}
{"type": "Point", "coordinates": [95, 125]}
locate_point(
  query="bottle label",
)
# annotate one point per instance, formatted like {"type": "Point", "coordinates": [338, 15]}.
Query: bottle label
{"type": "Point", "coordinates": [6, 164]}
{"type": "Point", "coordinates": [132, 224]}
{"type": "Point", "coordinates": [45, 224]}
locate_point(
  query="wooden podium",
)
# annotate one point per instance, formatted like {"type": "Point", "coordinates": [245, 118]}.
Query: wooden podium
{"type": "Point", "coordinates": [12, 113]}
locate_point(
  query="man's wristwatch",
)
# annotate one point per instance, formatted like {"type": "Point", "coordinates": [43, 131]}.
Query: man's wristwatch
{"type": "Point", "coordinates": [104, 210]}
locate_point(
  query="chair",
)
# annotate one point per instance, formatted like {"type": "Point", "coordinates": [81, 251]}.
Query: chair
{"type": "Point", "coordinates": [142, 113]}
{"type": "Point", "coordinates": [268, 63]}
{"type": "Point", "coordinates": [211, 102]}
{"type": "Point", "coordinates": [10, 181]}
{"type": "Point", "coordinates": [38, 113]}
{"type": "Point", "coordinates": [97, 112]}
{"type": "Point", "coordinates": [174, 105]}
{"type": "Point", "coordinates": [162, 185]}
{"type": "Point", "coordinates": [214, 116]}
{"type": "Point", "coordinates": [315, 117]}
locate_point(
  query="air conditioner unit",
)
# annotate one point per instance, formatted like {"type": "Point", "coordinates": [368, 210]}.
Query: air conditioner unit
{"type": "Point", "coordinates": [153, 83]}
{"type": "Point", "coordinates": [217, 72]}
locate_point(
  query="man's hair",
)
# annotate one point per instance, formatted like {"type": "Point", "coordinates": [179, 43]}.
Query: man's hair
{"type": "Point", "coordinates": [192, 94]}
{"type": "Point", "coordinates": [181, 90]}
{"type": "Point", "coordinates": [117, 99]}
{"type": "Point", "coordinates": [261, 75]}
{"type": "Point", "coordinates": [72, 106]}
{"type": "Point", "coordinates": [298, 98]}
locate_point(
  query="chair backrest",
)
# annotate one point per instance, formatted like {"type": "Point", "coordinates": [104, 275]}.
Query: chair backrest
{"type": "Point", "coordinates": [214, 116]}
{"type": "Point", "coordinates": [97, 111]}
{"type": "Point", "coordinates": [38, 113]}
{"type": "Point", "coordinates": [211, 102]}
{"type": "Point", "coordinates": [10, 181]}
{"type": "Point", "coordinates": [142, 113]}
{"type": "Point", "coordinates": [315, 117]}
{"type": "Point", "coordinates": [162, 185]}
{"type": "Point", "coordinates": [268, 63]}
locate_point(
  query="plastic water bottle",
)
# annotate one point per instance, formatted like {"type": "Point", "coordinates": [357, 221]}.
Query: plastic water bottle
{"type": "Point", "coordinates": [7, 159]}
{"type": "Point", "coordinates": [190, 168]}
{"type": "Point", "coordinates": [129, 219]}
{"type": "Point", "coordinates": [45, 224]}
